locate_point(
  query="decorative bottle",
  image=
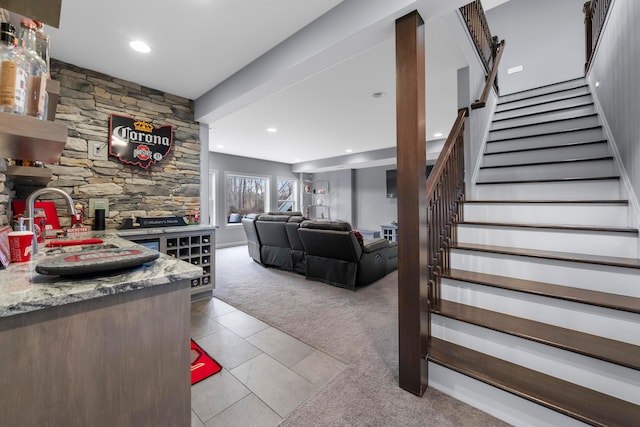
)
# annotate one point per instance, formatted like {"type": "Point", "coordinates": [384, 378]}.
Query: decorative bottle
{"type": "Point", "coordinates": [13, 73]}
{"type": "Point", "coordinates": [38, 72]}
{"type": "Point", "coordinates": [42, 44]}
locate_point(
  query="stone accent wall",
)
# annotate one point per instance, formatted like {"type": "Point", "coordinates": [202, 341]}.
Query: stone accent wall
{"type": "Point", "coordinates": [87, 98]}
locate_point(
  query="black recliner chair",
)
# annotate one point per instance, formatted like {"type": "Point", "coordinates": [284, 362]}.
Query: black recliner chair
{"type": "Point", "coordinates": [275, 249]}
{"type": "Point", "coordinates": [335, 256]}
{"type": "Point", "coordinates": [253, 240]}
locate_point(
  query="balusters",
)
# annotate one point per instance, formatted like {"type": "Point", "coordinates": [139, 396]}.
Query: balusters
{"type": "Point", "coordinates": [445, 192]}
{"type": "Point", "coordinates": [595, 14]}
{"type": "Point", "coordinates": [473, 15]}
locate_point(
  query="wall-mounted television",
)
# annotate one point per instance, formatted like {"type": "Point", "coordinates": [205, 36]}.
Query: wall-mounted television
{"type": "Point", "coordinates": [392, 182]}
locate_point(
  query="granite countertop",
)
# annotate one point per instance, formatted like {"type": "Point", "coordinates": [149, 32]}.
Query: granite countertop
{"type": "Point", "coordinates": [162, 230]}
{"type": "Point", "coordinates": [22, 289]}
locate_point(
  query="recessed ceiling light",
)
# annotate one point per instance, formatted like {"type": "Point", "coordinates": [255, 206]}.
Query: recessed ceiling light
{"type": "Point", "coordinates": [272, 130]}
{"type": "Point", "coordinates": [378, 94]}
{"type": "Point", "coordinates": [348, 150]}
{"type": "Point", "coordinates": [219, 146]}
{"type": "Point", "coordinates": [139, 46]}
{"type": "Point", "coordinates": [438, 135]}
{"type": "Point", "coordinates": [296, 160]}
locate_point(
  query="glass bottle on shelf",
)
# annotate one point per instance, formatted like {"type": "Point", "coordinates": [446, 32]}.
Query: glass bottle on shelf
{"type": "Point", "coordinates": [37, 68]}
{"type": "Point", "coordinates": [13, 73]}
{"type": "Point", "coordinates": [42, 44]}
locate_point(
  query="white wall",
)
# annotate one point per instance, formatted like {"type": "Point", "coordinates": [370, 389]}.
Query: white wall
{"type": "Point", "coordinates": [372, 207]}
{"type": "Point", "coordinates": [616, 67]}
{"type": "Point", "coordinates": [546, 37]}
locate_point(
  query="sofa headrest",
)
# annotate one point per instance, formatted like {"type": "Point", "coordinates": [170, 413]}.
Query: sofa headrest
{"type": "Point", "coordinates": [287, 213]}
{"type": "Point", "coordinates": [297, 219]}
{"type": "Point", "coordinates": [275, 218]}
{"type": "Point", "coordinates": [326, 225]}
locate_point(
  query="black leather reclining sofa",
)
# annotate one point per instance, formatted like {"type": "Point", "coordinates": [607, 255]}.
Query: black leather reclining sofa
{"type": "Point", "coordinates": [326, 251]}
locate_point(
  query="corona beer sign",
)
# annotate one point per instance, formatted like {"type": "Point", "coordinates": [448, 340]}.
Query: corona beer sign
{"type": "Point", "coordinates": [139, 143]}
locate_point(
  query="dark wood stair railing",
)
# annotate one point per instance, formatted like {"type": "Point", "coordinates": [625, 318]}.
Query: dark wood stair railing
{"type": "Point", "coordinates": [489, 50]}
{"type": "Point", "coordinates": [595, 13]}
{"type": "Point", "coordinates": [445, 195]}
{"type": "Point", "coordinates": [476, 20]}
{"type": "Point", "coordinates": [491, 79]}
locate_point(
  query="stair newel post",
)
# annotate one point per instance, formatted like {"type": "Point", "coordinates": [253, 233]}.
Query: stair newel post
{"type": "Point", "coordinates": [413, 298]}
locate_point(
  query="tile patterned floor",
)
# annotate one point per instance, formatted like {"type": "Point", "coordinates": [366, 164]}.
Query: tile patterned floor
{"type": "Point", "coordinates": [265, 374]}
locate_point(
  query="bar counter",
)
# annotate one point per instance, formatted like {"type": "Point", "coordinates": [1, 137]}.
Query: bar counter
{"type": "Point", "coordinates": [103, 350]}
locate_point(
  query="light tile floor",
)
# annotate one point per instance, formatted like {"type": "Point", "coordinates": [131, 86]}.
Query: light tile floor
{"type": "Point", "coordinates": [265, 374]}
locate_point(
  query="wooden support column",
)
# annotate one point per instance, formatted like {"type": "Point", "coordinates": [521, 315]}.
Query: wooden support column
{"type": "Point", "coordinates": [413, 313]}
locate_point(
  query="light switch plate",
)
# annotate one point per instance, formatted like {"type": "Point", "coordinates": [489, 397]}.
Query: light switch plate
{"type": "Point", "coordinates": [97, 150]}
{"type": "Point", "coordinates": [98, 204]}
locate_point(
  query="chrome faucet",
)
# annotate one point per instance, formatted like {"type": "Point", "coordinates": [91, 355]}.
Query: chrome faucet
{"type": "Point", "coordinates": [29, 210]}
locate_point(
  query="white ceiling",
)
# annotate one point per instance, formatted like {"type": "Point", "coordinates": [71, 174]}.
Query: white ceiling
{"type": "Point", "coordinates": [319, 113]}
{"type": "Point", "coordinates": [195, 44]}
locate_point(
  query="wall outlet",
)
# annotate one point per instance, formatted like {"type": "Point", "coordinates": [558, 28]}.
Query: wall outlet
{"type": "Point", "coordinates": [516, 69]}
{"type": "Point", "coordinates": [98, 204]}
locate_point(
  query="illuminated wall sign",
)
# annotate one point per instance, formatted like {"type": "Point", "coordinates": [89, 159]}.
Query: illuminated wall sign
{"type": "Point", "coordinates": [139, 143]}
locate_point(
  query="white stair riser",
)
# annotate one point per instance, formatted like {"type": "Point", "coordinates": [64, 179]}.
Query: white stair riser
{"type": "Point", "coordinates": [538, 108]}
{"type": "Point", "coordinates": [590, 169]}
{"type": "Point", "coordinates": [571, 190]}
{"type": "Point", "coordinates": [505, 104]}
{"type": "Point", "coordinates": [501, 404]}
{"type": "Point", "coordinates": [538, 141]}
{"type": "Point", "coordinates": [545, 90]}
{"type": "Point", "coordinates": [540, 213]}
{"type": "Point", "coordinates": [597, 375]}
{"type": "Point", "coordinates": [559, 126]}
{"type": "Point", "coordinates": [615, 280]}
{"type": "Point", "coordinates": [543, 117]}
{"type": "Point", "coordinates": [585, 242]}
{"type": "Point", "coordinates": [548, 154]}
{"type": "Point", "coordinates": [603, 322]}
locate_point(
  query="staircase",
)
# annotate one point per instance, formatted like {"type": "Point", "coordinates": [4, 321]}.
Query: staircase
{"type": "Point", "coordinates": [540, 316]}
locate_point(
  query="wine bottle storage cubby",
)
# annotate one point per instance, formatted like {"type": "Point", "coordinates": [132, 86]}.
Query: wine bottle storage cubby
{"type": "Point", "coordinates": [195, 245]}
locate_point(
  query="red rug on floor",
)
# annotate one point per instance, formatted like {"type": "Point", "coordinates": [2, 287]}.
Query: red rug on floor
{"type": "Point", "coordinates": [202, 365]}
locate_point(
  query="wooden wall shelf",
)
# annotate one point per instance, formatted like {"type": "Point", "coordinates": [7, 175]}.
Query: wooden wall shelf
{"type": "Point", "coordinates": [29, 175]}
{"type": "Point", "coordinates": [27, 138]}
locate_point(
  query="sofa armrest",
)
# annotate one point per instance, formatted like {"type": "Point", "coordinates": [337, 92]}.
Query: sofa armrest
{"type": "Point", "coordinates": [374, 245]}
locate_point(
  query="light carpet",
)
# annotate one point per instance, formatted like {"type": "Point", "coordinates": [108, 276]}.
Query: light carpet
{"type": "Point", "coordinates": [358, 328]}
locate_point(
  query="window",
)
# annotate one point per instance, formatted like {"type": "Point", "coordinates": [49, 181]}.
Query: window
{"type": "Point", "coordinates": [287, 194]}
{"type": "Point", "coordinates": [212, 198]}
{"type": "Point", "coordinates": [246, 194]}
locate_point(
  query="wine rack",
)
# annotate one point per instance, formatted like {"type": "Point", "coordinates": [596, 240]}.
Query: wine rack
{"type": "Point", "coordinates": [193, 244]}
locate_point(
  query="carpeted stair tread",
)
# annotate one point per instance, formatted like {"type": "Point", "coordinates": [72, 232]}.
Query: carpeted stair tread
{"type": "Point", "coordinates": [561, 256]}
{"type": "Point", "coordinates": [578, 402]}
{"type": "Point", "coordinates": [567, 293]}
{"type": "Point", "coordinates": [617, 352]}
